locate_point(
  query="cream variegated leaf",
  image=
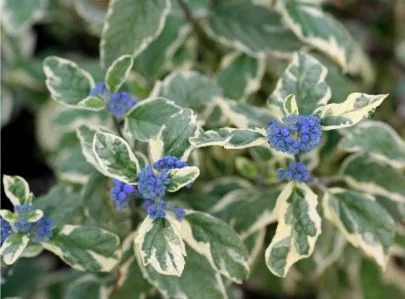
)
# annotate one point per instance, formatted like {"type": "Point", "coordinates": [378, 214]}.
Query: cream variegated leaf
{"type": "Point", "coordinates": [17, 190]}
{"type": "Point", "coordinates": [290, 105]}
{"type": "Point", "coordinates": [115, 157]}
{"type": "Point", "coordinates": [364, 173]}
{"type": "Point", "coordinates": [13, 247]}
{"type": "Point", "coordinates": [299, 226]}
{"type": "Point", "coordinates": [160, 245]}
{"type": "Point", "coordinates": [240, 75]}
{"type": "Point", "coordinates": [181, 177]}
{"type": "Point", "coordinates": [130, 27]}
{"type": "Point", "coordinates": [388, 147]}
{"type": "Point", "coordinates": [85, 248]}
{"type": "Point", "coordinates": [362, 221]}
{"type": "Point", "coordinates": [356, 107]}
{"type": "Point", "coordinates": [9, 216]}
{"type": "Point", "coordinates": [118, 72]}
{"type": "Point", "coordinates": [217, 242]}
{"type": "Point", "coordinates": [230, 138]}
{"type": "Point", "coordinates": [305, 78]}
{"type": "Point", "coordinates": [322, 31]}
{"type": "Point", "coordinates": [92, 103]}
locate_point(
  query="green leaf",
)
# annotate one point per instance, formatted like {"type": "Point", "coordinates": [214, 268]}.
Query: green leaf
{"type": "Point", "coordinates": [181, 177]}
{"type": "Point", "coordinates": [34, 216]}
{"type": "Point", "coordinates": [217, 242]}
{"type": "Point", "coordinates": [131, 282]}
{"type": "Point", "coordinates": [388, 147]}
{"type": "Point", "coordinates": [62, 204]}
{"type": "Point", "coordinates": [148, 117]}
{"type": "Point", "coordinates": [92, 103]}
{"type": "Point", "coordinates": [240, 75]}
{"type": "Point", "coordinates": [156, 60]}
{"type": "Point", "coordinates": [17, 190]}
{"type": "Point", "coordinates": [356, 107]}
{"type": "Point", "coordinates": [251, 28]}
{"type": "Point", "coordinates": [247, 168]}
{"type": "Point", "coordinates": [130, 27]}
{"type": "Point", "coordinates": [363, 173]}
{"type": "Point", "coordinates": [299, 226]}
{"type": "Point", "coordinates": [207, 284]}
{"type": "Point", "coordinates": [187, 89]}
{"type": "Point", "coordinates": [174, 137]}
{"type": "Point", "coordinates": [323, 32]}
{"type": "Point", "coordinates": [115, 156]}
{"type": "Point", "coordinates": [93, 13]}
{"type": "Point", "coordinates": [86, 286]}
{"type": "Point", "coordinates": [160, 245]}
{"type": "Point", "coordinates": [362, 221]}
{"type": "Point", "coordinates": [66, 81]}
{"type": "Point", "coordinates": [230, 138]}
{"type": "Point", "coordinates": [100, 207]}
{"type": "Point", "coordinates": [8, 216]}
{"type": "Point", "coordinates": [255, 214]}
{"type": "Point", "coordinates": [85, 248]}
{"type": "Point", "coordinates": [118, 72]}
{"type": "Point", "coordinates": [243, 115]}
{"type": "Point", "coordinates": [18, 15]}
{"type": "Point", "coordinates": [13, 247]}
{"type": "Point", "coordinates": [304, 77]}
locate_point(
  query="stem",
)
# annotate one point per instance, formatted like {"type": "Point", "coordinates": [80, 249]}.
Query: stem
{"type": "Point", "coordinates": [297, 157]}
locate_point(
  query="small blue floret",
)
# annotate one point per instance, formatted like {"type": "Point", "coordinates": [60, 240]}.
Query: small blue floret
{"type": "Point", "coordinates": [120, 103]}
{"type": "Point", "coordinates": [169, 162]}
{"type": "Point", "coordinates": [5, 230]}
{"type": "Point", "coordinates": [179, 213]}
{"type": "Point", "coordinates": [121, 193]}
{"type": "Point", "coordinates": [99, 90]}
{"type": "Point", "coordinates": [43, 230]}
{"type": "Point", "coordinates": [153, 183]}
{"type": "Point", "coordinates": [297, 133]}
{"type": "Point", "coordinates": [295, 172]}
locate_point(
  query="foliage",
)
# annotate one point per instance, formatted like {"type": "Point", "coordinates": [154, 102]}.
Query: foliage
{"type": "Point", "coordinates": [216, 146]}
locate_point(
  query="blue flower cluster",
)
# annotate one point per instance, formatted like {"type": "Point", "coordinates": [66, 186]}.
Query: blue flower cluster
{"type": "Point", "coordinates": [296, 134]}
{"type": "Point", "coordinates": [121, 193]}
{"type": "Point", "coordinates": [118, 103]}
{"type": "Point", "coordinates": [5, 230]}
{"type": "Point", "coordinates": [152, 186]}
{"type": "Point", "coordinates": [41, 230]}
{"type": "Point", "coordinates": [295, 172]}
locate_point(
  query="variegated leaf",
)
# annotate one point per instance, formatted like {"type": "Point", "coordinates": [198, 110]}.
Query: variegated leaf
{"type": "Point", "coordinates": [299, 226]}
{"type": "Point", "coordinates": [240, 75]}
{"type": "Point", "coordinates": [156, 60]}
{"type": "Point", "coordinates": [17, 190]}
{"type": "Point", "coordinates": [160, 245]}
{"type": "Point", "coordinates": [93, 13]}
{"type": "Point", "coordinates": [66, 81]}
{"type": "Point", "coordinates": [251, 28]}
{"type": "Point", "coordinates": [290, 105]}
{"type": "Point", "coordinates": [181, 177]}
{"type": "Point", "coordinates": [9, 216]}
{"type": "Point", "coordinates": [230, 138]}
{"type": "Point", "coordinates": [388, 147]}
{"type": "Point", "coordinates": [304, 77]}
{"type": "Point", "coordinates": [187, 89]}
{"type": "Point", "coordinates": [86, 136]}
{"type": "Point", "coordinates": [322, 31]}
{"type": "Point", "coordinates": [218, 242]}
{"type": "Point", "coordinates": [130, 27]}
{"type": "Point", "coordinates": [13, 247]}
{"type": "Point", "coordinates": [146, 120]}
{"type": "Point", "coordinates": [118, 72]}
{"type": "Point", "coordinates": [256, 214]}
{"type": "Point", "coordinates": [356, 107]}
{"type": "Point", "coordinates": [85, 286]}
{"type": "Point", "coordinates": [362, 221]}
{"type": "Point", "coordinates": [366, 174]}
{"type": "Point", "coordinates": [85, 248]}
{"type": "Point", "coordinates": [115, 156]}
{"type": "Point", "coordinates": [173, 140]}
{"type": "Point", "coordinates": [208, 284]}
{"type": "Point", "coordinates": [92, 103]}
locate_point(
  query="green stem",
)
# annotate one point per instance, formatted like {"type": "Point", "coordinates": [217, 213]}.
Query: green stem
{"type": "Point", "coordinates": [118, 127]}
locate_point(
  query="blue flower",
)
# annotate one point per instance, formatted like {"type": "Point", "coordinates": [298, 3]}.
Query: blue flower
{"type": "Point", "coordinates": [22, 211]}
{"type": "Point", "coordinates": [179, 213]}
{"type": "Point", "coordinates": [99, 90]}
{"type": "Point", "coordinates": [121, 193]}
{"type": "Point", "coordinates": [169, 162]}
{"type": "Point", "coordinates": [152, 183]}
{"type": "Point", "coordinates": [120, 103]}
{"type": "Point", "coordinates": [22, 226]}
{"type": "Point", "coordinates": [5, 230]}
{"type": "Point", "coordinates": [295, 172]}
{"type": "Point", "coordinates": [297, 133]}
{"type": "Point", "coordinates": [43, 229]}
{"type": "Point", "coordinates": [155, 208]}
